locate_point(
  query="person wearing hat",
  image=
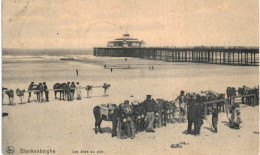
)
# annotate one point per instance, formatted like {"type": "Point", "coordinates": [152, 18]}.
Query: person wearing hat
{"type": "Point", "coordinates": [46, 92]}
{"type": "Point", "coordinates": [149, 105]}
{"type": "Point", "coordinates": [30, 89]}
{"type": "Point", "coordinates": [215, 118]}
{"type": "Point", "coordinates": [183, 106]}
{"type": "Point", "coordinates": [130, 125]}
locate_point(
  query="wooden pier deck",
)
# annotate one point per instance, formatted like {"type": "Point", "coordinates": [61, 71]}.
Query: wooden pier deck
{"type": "Point", "coordinates": [248, 56]}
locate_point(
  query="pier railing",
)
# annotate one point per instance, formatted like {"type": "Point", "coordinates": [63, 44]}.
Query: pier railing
{"type": "Point", "coordinates": [236, 55]}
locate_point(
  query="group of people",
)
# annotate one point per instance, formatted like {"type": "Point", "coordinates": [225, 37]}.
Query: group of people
{"type": "Point", "coordinates": [38, 90]}
{"type": "Point", "coordinates": [189, 110]}
{"type": "Point", "coordinates": [128, 120]}
{"type": "Point", "coordinates": [42, 92]}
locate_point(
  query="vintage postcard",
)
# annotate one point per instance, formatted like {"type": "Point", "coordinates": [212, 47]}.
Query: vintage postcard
{"type": "Point", "coordinates": [130, 77]}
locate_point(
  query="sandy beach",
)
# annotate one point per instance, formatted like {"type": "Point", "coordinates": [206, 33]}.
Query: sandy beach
{"type": "Point", "coordinates": [69, 126]}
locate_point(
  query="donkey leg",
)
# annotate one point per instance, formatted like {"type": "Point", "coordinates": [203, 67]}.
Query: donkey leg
{"type": "Point", "coordinates": [96, 124]}
{"type": "Point", "coordinates": [99, 128]}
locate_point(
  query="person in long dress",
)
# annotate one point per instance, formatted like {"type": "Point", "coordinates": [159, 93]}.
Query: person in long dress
{"type": "Point", "coordinates": [78, 88]}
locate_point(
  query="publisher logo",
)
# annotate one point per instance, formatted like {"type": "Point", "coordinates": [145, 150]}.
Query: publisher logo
{"type": "Point", "coordinates": [10, 149]}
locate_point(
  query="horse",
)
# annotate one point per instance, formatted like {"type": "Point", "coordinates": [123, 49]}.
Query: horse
{"type": "Point", "coordinates": [62, 87]}
{"type": "Point", "coordinates": [20, 93]}
{"type": "Point", "coordinates": [112, 113]}
{"type": "Point", "coordinates": [222, 103]}
{"type": "Point", "coordinates": [249, 91]}
{"type": "Point", "coordinates": [231, 93]}
{"type": "Point", "coordinates": [10, 94]}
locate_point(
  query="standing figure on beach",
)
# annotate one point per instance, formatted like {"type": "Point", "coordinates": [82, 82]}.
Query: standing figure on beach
{"type": "Point", "coordinates": [72, 90]}
{"type": "Point", "coordinates": [195, 117]}
{"type": "Point", "coordinates": [46, 91]}
{"type": "Point", "coordinates": [78, 91]}
{"type": "Point", "coordinates": [130, 125]}
{"type": "Point", "coordinates": [68, 91]}
{"type": "Point", "coordinates": [77, 72]}
{"type": "Point", "coordinates": [30, 89]}
{"type": "Point", "coordinates": [111, 69]}
{"type": "Point", "coordinates": [3, 92]}
{"type": "Point", "coordinates": [215, 118]}
{"type": "Point", "coordinates": [149, 105]}
{"type": "Point", "coordinates": [183, 106]}
{"type": "Point", "coordinates": [39, 92]}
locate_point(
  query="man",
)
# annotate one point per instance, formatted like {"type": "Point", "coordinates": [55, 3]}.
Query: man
{"type": "Point", "coordinates": [130, 126]}
{"type": "Point", "coordinates": [68, 91]}
{"type": "Point", "coordinates": [72, 90]}
{"type": "Point", "coordinates": [46, 92]}
{"type": "Point", "coordinates": [183, 106]}
{"type": "Point", "coordinates": [149, 106]}
{"type": "Point", "coordinates": [215, 118]}
{"type": "Point", "coordinates": [30, 89]}
{"type": "Point", "coordinates": [39, 92]}
{"type": "Point", "coordinates": [195, 115]}
{"type": "Point", "coordinates": [199, 121]}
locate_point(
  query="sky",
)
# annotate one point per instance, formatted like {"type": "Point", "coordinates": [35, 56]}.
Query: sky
{"type": "Point", "coordinates": [91, 23]}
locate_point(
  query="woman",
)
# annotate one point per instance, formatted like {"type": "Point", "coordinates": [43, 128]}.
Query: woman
{"type": "Point", "coordinates": [78, 87]}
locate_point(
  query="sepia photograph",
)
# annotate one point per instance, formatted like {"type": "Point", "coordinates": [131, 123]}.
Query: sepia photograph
{"type": "Point", "coordinates": [136, 77]}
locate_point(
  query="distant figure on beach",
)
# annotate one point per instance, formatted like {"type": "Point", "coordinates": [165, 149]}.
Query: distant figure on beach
{"type": "Point", "coordinates": [78, 91]}
{"type": "Point", "coordinates": [77, 72]}
{"type": "Point", "coordinates": [105, 66]}
{"type": "Point", "coordinates": [30, 89]}
{"type": "Point", "coordinates": [72, 90]}
{"type": "Point", "coordinates": [45, 89]}
{"type": "Point", "coordinates": [111, 69]}
{"type": "Point", "coordinates": [125, 59]}
{"type": "Point", "coordinates": [152, 68]}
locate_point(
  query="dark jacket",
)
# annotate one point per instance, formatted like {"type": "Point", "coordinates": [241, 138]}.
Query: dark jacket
{"type": "Point", "coordinates": [149, 105]}
{"type": "Point", "coordinates": [195, 112]}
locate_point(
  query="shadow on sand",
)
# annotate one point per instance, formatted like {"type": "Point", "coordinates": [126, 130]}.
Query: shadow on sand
{"type": "Point", "coordinates": [105, 130]}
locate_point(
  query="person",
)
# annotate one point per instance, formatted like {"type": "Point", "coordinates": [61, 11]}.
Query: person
{"type": "Point", "coordinates": [72, 90]}
{"type": "Point", "coordinates": [46, 91]}
{"type": "Point", "coordinates": [3, 92]}
{"type": "Point", "coordinates": [111, 69]}
{"type": "Point", "coordinates": [195, 116]}
{"type": "Point", "coordinates": [215, 118]}
{"type": "Point", "coordinates": [39, 92]}
{"type": "Point", "coordinates": [77, 72]}
{"type": "Point", "coordinates": [115, 121]}
{"type": "Point", "coordinates": [183, 106]}
{"type": "Point", "coordinates": [149, 106]}
{"type": "Point", "coordinates": [122, 132]}
{"type": "Point", "coordinates": [68, 91]}
{"type": "Point", "coordinates": [30, 89]}
{"type": "Point", "coordinates": [130, 125]}
{"type": "Point", "coordinates": [78, 91]}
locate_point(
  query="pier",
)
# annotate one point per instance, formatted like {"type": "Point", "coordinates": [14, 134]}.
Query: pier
{"type": "Point", "coordinates": [244, 56]}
